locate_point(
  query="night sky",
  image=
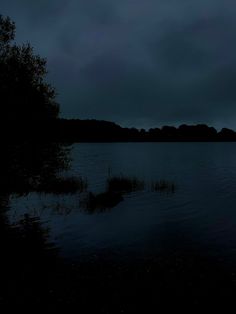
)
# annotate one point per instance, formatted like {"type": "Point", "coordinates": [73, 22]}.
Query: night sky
{"type": "Point", "coordinates": [140, 63]}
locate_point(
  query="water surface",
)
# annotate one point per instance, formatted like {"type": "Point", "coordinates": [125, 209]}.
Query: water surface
{"type": "Point", "coordinates": [200, 217]}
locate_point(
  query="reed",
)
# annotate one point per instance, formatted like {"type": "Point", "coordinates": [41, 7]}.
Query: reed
{"type": "Point", "coordinates": [163, 186]}
{"type": "Point", "coordinates": [124, 184]}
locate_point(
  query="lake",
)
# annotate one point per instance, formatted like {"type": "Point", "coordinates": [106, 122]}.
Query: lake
{"type": "Point", "coordinates": [200, 216]}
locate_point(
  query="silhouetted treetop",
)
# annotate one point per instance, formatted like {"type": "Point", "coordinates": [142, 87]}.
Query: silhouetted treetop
{"type": "Point", "coordinates": [7, 30]}
{"type": "Point", "coordinates": [25, 95]}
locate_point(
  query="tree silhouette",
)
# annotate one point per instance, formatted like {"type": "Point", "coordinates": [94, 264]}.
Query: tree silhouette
{"type": "Point", "coordinates": [24, 93]}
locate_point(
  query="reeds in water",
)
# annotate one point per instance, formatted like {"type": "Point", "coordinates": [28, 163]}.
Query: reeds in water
{"type": "Point", "coordinates": [163, 186]}
{"type": "Point", "coordinates": [124, 184]}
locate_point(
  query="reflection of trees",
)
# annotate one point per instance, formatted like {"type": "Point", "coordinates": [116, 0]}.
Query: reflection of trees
{"type": "Point", "coordinates": [29, 262]}
{"type": "Point", "coordinates": [27, 259]}
{"type": "Point", "coordinates": [26, 165]}
{"type": "Point", "coordinates": [32, 273]}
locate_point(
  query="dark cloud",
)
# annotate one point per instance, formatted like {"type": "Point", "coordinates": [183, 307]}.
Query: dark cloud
{"type": "Point", "coordinates": [140, 63]}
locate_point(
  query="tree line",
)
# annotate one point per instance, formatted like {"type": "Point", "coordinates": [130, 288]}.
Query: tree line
{"type": "Point", "coordinates": [105, 131]}
{"type": "Point", "coordinates": [76, 130]}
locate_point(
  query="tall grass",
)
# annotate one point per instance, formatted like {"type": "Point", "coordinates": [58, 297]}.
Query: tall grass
{"type": "Point", "coordinates": [163, 186]}
{"type": "Point", "coordinates": [124, 184]}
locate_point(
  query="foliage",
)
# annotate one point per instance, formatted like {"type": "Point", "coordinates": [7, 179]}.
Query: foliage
{"type": "Point", "coordinates": [24, 92]}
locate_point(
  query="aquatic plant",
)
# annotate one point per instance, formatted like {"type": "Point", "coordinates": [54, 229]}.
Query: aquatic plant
{"type": "Point", "coordinates": [124, 184]}
{"type": "Point", "coordinates": [163, 186]}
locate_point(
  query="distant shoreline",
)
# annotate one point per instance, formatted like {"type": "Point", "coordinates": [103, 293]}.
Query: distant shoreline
{"type": "Point", "coordinates": [99, 131]}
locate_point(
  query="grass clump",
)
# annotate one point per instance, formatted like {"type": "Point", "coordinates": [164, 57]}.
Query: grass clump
{"type": "Point", "coordinates": [163, 186]}
{"type": "Point", "coordinates": [124, 184]}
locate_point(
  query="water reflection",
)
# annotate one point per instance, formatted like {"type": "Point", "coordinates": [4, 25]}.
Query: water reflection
{"type": "Point", "coordinates": [28, 258]}
{"type": "Point", "coordinates": [28, 261]}
{"type": "Point", "coordinates": [34, 271]}
{"type": "Point", "coordinates": [26, 166]}
{"type": "Point", "coordinates": [102, 202]}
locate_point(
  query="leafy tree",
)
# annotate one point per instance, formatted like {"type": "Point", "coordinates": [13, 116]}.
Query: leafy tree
{"type": "Point", "coordinates": [24, 93]}
{"type": "Point", "coordinates": [28, 117]}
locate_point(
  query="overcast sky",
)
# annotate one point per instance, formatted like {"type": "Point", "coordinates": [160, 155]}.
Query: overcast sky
{"type": "Point", "coordinates": [140, 63]}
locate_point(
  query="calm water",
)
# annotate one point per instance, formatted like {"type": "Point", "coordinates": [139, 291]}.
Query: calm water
{"type": "Point", "coordinates": [199, 217]}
